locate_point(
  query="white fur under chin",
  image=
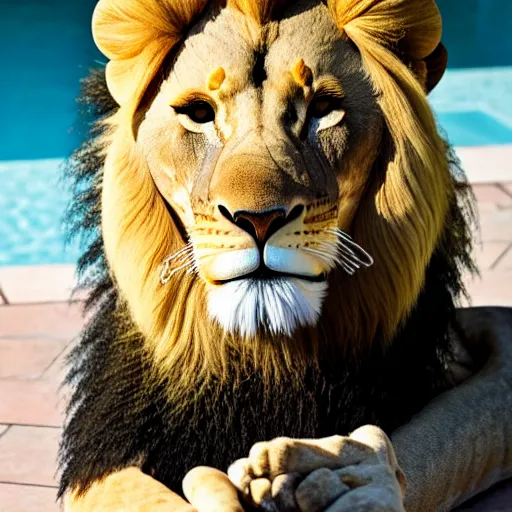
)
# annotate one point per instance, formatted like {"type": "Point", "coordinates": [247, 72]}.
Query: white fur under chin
{"type": "Point", "coordinates": [277, 305]}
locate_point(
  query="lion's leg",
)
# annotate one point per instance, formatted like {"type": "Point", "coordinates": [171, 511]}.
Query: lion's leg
{"type": "Point", "coordinates": [210, 490]}
{"type": "Point", "coordinates": [130, 490]}
{"type": "Point", "coordinates": [461, 443]}
{"type": "Point", "coordinates": [313, 474]}
{"type": "Point", "coordinates": [457, 446]}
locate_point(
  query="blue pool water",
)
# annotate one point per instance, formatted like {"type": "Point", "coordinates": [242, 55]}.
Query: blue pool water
{"type": "Point", "coordinates": [50, 49]}
{"type": "Point", "coordinates": [474, 106]}
{"type": "Point", "coordinates": [32, 201]}
{"type": "Point", "coordinates": [460, 125]}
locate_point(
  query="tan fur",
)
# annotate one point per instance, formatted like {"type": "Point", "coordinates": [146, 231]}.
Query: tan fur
{"type": "Point", "coordinates": [130, 490]}
{"type": "Point", "coordinates": [127, 490]}
{"type": "Point", "coordinates": [210, 490]}
{"type": "Point", "coordinates": [458, 446]}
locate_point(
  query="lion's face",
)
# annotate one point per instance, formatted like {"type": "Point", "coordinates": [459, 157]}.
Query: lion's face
{"type": "Point", "coordinates": [262, 142]}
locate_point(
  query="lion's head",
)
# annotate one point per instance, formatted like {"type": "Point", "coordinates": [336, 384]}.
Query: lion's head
{"type": "Point", "coordinates": [263, 154]}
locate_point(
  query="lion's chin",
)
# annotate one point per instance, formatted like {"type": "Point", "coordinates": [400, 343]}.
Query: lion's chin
{"type": "Point", "coordinates": [278, 305]}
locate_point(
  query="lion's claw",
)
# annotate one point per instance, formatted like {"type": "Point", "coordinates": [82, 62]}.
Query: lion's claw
{"type": "Point", "coordinates": [368, 487]}
{"type": "Point", "coordinates": [319, 489]}
{"type": "Point", "coordinates": [283, 491]}
{"type": "Point", "coordinates": [332, 474]}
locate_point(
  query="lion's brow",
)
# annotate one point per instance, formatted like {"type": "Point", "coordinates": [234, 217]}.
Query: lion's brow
{"type": "Point", "coordinates": [187, 97]}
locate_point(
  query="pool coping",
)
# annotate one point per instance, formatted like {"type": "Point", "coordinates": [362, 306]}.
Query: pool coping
{"type": "Point", "coordinates": [486, 164]}
{"type": "Point", "coordinates": [34, 284]}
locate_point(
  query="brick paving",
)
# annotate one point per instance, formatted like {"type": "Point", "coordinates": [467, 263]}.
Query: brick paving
{"type": "Point", "coordinates": [36, 330]}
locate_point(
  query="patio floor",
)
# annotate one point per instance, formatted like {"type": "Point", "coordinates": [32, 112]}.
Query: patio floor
{"type": "Point", "coordinates": [37, 326]}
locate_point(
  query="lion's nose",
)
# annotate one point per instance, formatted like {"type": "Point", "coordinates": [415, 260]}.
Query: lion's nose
{"type": "Point", "coordinates": [261, 225]}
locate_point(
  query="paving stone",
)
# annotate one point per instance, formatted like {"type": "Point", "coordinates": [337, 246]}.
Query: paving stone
{"type": "Point", "coordinates": [486, 164]}
{"type": "Point", "coordinates": [496, 226]}
{"type": "Point", "coordinates": [505, 263]}
{"type": "Point", "coordinates": [59, 321]}
{"type": "Point", "coordinates": [3, 429]}
{"type": "Point", "coordinates": [489, 253]}
{"type": "Point", "coordinates": [29, 455]}
{"type": "Point", "coordinates": [28, 498]}
{"type": "Point", "coordinates": [28, 358]}
{"type": "Point", "coordinates": [37, 283]}
{"type": "Point", "coordinates": [59, 367]}
{"type": "Point", "coordinates": [36, 402]}
{"type": "Point", "coordinates": [3, 298]}
{"type": "Point", "coordinates": [491, 197]}
{"type": "Point", "coordinates": [493, 289]}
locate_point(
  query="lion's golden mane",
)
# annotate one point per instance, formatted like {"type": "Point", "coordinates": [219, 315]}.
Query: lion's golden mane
{"type": "Point", "coordinates": [399, 221]}
{"type": "Point", "coordinates": [157, 384]}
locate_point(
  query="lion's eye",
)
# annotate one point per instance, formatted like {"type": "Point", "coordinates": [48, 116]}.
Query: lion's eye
{"type": "Point", "coordinates": [200, 112]}
{"type": "Point", "coordinates": [324, 105]}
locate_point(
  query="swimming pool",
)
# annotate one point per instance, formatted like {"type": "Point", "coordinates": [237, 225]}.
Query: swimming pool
{"type": "Point", "coordinates": [473, 102]}
{"type": "Point", "coordinates": [50, 49]}
{"type": "Point", "coordinates": [32, 201]}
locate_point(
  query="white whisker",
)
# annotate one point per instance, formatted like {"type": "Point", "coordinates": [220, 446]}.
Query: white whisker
{"type": "Point", "coordinates": [331, 247]}
{"type": "Point", "coordinates": [333, 260]}
{"type": "Point", "coordinates": [342, 251]}
{"type": "Point", "coordinates": [178, 261]}
{"type": "Point", "coordinates": [187, 249]}
{"type": "Point", "coordinates": [347, 250]}
{"type": "Point", "coordinates": [329, 260]}
{"type": "Point", "coordinates": [340, 234]}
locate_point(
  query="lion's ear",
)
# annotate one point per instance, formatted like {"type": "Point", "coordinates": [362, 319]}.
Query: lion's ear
{"type": "Point", "coordinates": [409, 28]}
{"type": "Point", "coordinates": [436, 64]}
{"type": "Point", "coordinates": [413, 27]}
{"type": "Point", "coordinates": [430, 70]}
{"type": "Point", "coordinates": [137, 36]}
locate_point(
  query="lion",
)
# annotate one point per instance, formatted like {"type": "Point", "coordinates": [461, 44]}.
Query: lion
{"type": "Point", "coordinates": [277, 235]}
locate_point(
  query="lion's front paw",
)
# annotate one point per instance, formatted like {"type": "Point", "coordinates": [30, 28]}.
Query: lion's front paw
{"type": "Point", "coordinates": [337, 473]}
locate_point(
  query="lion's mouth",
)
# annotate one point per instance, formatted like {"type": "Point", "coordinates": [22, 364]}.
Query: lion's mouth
{"type": "Point", "coordinates": [263, 273]}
